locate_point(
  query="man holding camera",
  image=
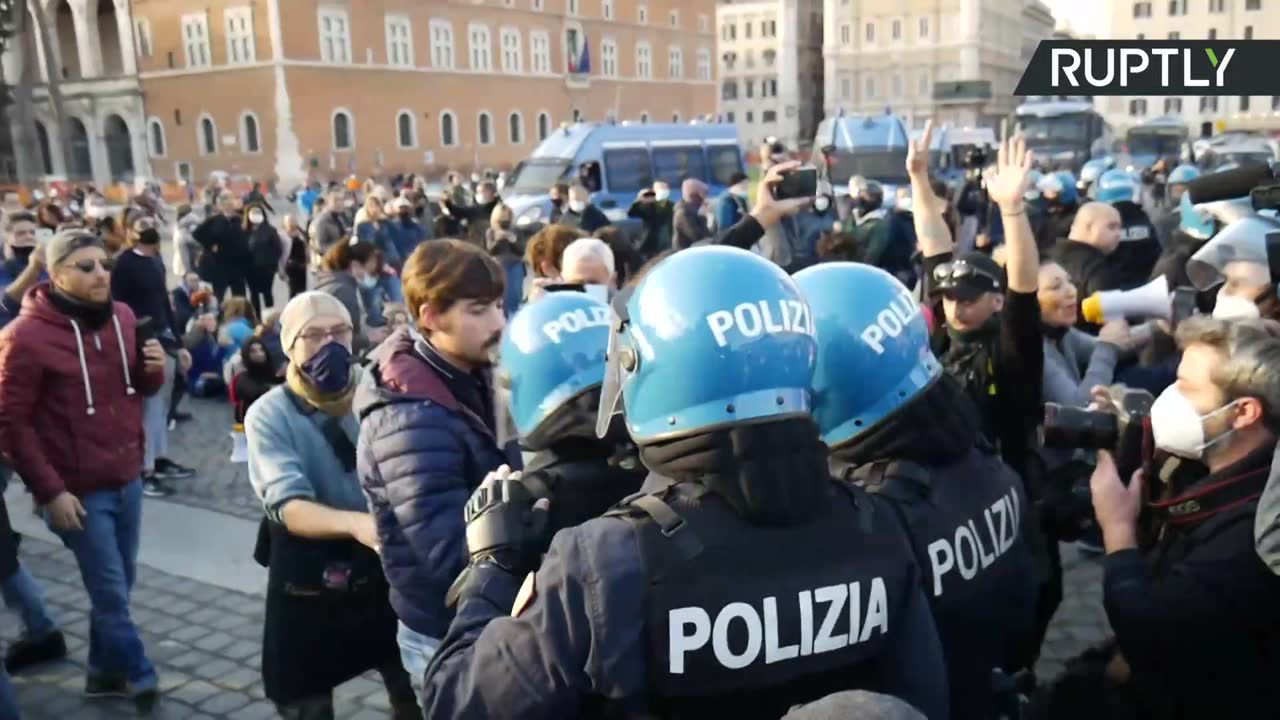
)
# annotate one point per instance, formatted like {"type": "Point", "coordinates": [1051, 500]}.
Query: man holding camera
{"type": "Point", "coordinates": [1193, 612]}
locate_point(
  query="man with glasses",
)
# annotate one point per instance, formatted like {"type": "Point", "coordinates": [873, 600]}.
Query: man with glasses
{"type": "Point", "coordinates": [327, 615]}
{"type": "Point", "coordinates": [139, 282]}
{"type": "Point", "coordinates": [73, 376]}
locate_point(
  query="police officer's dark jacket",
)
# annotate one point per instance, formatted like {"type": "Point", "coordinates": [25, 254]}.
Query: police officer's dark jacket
{"type": "Point", "coordinates": [1195, 615]}
{"type": "Point", "coordinates": [1139, 246]}
{"type": "Point", "coordinates": [583, 478]}
{"type": "Point", "coordinates": [748, 582]}
{"type": "Point", "coordinates": [967, 516]}
{"type": "Point", "coordinates": [1000, 367]}
{"type": "Point", "coordinates": [1058, 218]}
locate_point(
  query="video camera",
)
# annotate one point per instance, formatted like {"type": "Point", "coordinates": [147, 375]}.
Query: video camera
{"type": "Point", "coordinates": [1123, 428]}
{"type": "Point", "coordinates": [977, 158]}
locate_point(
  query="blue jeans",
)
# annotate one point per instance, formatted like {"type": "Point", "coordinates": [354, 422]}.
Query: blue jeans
{"type": "Point", "coordinates": [22, 594]}
{"type": "Point", "coordinates": [107, 552]}
{"type": "Point", "coordinates": [392, 287]}
{"type": "Point", "coordinates": [416, 651]}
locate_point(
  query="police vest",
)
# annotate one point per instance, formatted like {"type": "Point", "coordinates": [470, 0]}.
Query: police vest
{"type": "Point", "coordinates": [746, 621]}
{"type": "Point", "coordinates": [966, 523]}
{"type": "Point", "coordinates": [580, 488]}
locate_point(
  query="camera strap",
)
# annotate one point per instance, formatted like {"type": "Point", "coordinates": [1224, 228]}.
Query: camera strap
{"type": "Point", "coordinates": [1205, 502]}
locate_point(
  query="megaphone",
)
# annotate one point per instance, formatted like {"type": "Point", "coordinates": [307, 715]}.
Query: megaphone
{"type": "Point", "coordinates": [1149, 301]}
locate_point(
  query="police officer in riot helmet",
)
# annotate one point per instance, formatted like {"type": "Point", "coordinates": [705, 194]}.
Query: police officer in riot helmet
{"type": "Point", "coordinates": [553, 360]}
{"type": "Point", "coordinates": [740, 581]}
{"type": "Point", "coordinates": [1133, 260]}
{"type": "Point", "coordinates": [902, 429]}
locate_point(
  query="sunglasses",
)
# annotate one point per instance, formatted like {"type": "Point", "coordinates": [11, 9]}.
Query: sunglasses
{"type": "Point", "coordinates": [952, 272]}
{"type": "Point", "coordinates": [87, 266]}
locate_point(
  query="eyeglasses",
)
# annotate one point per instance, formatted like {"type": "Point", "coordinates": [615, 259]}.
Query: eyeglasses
{"type": "Point", "coordinates": [952, 272]}
{"type": "Point", "coordinates": [87, 266]}
{"type": "Point", "coordinates": [315, 336]}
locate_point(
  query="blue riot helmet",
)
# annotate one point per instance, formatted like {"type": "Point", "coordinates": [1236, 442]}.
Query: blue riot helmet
{"type": "Point", "coordinates": [1197, 224]}
{"type": "Point", "coordinates": [1070, 194]}
{"type": "Point", "coordinates": [1115, 186]}
{"type": "Point", "coordinates": [1051, 183]}
{"type": "Point", "coordinates": [873, 347]}
{"type": "Point", "coordinates": [1182, 175]}
{"type": "Point", "coordinates": [712, 336]}
{"type": "Point", "coordinates": [1033, 191]}
{"type": "Point", "coordinates": [553, 352]}
{"type": "Point", "coordinates": [1090, 173]}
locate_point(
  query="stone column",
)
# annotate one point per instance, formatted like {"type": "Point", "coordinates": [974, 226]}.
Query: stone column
{"type": "Point", "coordinates": [138, 144]}
{"type": "Point", "coordinates": [98, 158]}
{"type": "Point", "coordinates": [87, 41]}
{"type": "Point", "coordinates": [128, 49]}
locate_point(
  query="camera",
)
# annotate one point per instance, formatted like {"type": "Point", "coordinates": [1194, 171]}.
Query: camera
{"type": "Point", "coordinates": [1123, 428]}
{"type": "Point", "coordinates": [976, 158]}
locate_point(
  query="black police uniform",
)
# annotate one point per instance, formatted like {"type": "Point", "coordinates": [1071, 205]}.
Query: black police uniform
{"type": "Point", "coordinates": [583, 478]}
{"type": "Point", "coordinates": [1139, 246]}
{"type": "Point", "coordinates": [677, 605]}
{"type": "Point", "coordinates": [967, 521]}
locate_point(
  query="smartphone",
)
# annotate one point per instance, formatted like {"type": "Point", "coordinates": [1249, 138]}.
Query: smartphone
{"type": "Point", "coordinates": [799, 183]}
{"type": "Point", "coordinates": [563, 287]}
{"type": "Point", "coordinates": [145, 332]}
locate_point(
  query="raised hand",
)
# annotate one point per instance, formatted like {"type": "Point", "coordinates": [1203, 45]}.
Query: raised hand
{"type": "Point", "coordinates": [1010, 178]}
{"type": "Point", "coordinates": [918, 152]}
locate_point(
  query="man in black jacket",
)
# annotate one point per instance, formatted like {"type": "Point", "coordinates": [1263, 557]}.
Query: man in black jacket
{"type": "Point", "coordinates": [1193, 614]}
{"type": "Point", "coordinates": [581, 213]}
{"type": "Point", "coordinates": [226, 249]}
{"type": "Point", "coordinates": [1095, 235]}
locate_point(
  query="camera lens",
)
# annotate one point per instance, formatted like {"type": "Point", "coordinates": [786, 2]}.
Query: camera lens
{"type": "Point", "coordinates": [1075, 428]}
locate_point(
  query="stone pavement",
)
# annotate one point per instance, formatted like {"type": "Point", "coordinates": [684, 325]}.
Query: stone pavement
{"type": "Point", "coordinates": [205, 641]}
{"type": "Point", "coordinates": [204, 443]}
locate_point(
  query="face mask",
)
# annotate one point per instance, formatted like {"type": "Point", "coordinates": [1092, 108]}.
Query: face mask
{"type": "Point", "coordinates": [330, 369]}
{"type": "Point", "coordinates": [866, 205]}
{"type": "Point", "coordinates": [661, 195]}
{"type": "Point", "coordinates": [557, 202]}
{"type": "Point", "coordinates": [256, 218]}
{"type": "Point", "coordinates": [349, 203]}
{"type": "Point", "coordinates": [1232, 307]}
{"type": "Point", "coordinates": [577, 206]}
{"type": "Point", "coordinates": [22, 253]}
{"type": "Point", "coordinates": [368, 282]}
{"type": "Point", "coordinates": [484, 199]}
{"type": "Point", "coordinates": [1178, 428]}
{"type": "Point", "coordinates": [821, 203]}
{"type": "Point", "coordinates": [150, 236]}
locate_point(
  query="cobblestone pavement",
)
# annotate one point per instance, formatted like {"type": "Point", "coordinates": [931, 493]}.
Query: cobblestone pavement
{"type": "Point", "coordinates": [205, 641]}
{"type": "Point", "coordinates": [204, 443]}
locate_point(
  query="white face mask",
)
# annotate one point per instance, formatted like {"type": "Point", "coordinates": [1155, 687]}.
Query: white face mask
{"type": "Point", "coordinates": [821, 203]}
{"type": "Point", "coordinates": [1233, 307]}
{"type": "Point", "coordinates": [1178, 428]}
{"type": "Point", "coordinates": [577, 206]}
{"type": "Point", "coordinates": [662, 194]}
{"type": "Point", "coordinates": [598, 292]}
{"type": "Point", "coordinates": [256, 218]}
{"type": "Point", "coordinates": [904, 203]}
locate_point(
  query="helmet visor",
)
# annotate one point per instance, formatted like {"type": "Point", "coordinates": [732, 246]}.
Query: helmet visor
{"type": "Point", "coordinates": [614, 371]}
{"type": "Point", "coordinates": [1244, 240]}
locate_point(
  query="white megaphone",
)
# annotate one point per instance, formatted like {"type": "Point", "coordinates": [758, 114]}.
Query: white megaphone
{"type": "Point", "coordinates": [1149, 301]}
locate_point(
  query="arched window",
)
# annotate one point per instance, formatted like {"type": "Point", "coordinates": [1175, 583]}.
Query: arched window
{"type": "Point", "coordinates": [406, 133]}
{"type": "Point", "coordinates": [342, 130]}
{"type": "Point", "coordinates": [448, 129]}
{"type": "Point", "coordinates": [486, 129]}
{"type": "Point", "coordinates": [516, 128]}
{"type": "Point", "coordinates": [155, 137]}
{"type": "Point", "coordinates": [249, 139]}
{"type": "Point", "coordinates": [544, 126]}
{"type": "Point", "coordinates": [208, 136]}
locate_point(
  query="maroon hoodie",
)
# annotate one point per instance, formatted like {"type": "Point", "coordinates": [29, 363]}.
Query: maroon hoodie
{"type": "Point", "coordinates": [71, 399]}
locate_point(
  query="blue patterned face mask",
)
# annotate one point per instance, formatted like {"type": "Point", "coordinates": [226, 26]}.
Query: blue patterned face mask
{"type": "Point", "coordinates": [329, 370]}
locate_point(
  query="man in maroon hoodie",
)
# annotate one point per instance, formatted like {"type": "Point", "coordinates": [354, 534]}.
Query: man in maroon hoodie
{"type": "Point", "coordinates": [72, 380]}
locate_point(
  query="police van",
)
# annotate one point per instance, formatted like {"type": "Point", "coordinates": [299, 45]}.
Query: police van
{"type": "Point", "coordinates": [949, 150]}
{"type": "Point", "coordinates": [870, 146]}
{"type": "Point", "coordinates": [616, 160]}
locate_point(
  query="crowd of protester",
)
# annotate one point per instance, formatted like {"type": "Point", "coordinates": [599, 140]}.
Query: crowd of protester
{"type": "Point", "coordinates": [368, 403]}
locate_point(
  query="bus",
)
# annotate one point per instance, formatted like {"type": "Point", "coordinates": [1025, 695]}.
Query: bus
{"type": "Point", "coordinates": [1064, 131]}
{"type": "Point", "coordinates": [1160, 139]}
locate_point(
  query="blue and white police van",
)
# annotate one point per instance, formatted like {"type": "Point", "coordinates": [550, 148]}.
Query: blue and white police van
{"type": "Point", "coordinates": [617, 160]}
{"type": "Point", "coordinates": [870, 146]}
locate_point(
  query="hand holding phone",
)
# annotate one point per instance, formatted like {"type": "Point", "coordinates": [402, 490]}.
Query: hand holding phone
{"type": "Point", "coordinates": [144, 332]}
{"type": "Point", "coordinates": [799, 183]}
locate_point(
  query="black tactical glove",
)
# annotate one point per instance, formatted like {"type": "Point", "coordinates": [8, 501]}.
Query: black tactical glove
{"type": "Point", "coordinates": [505, 526]}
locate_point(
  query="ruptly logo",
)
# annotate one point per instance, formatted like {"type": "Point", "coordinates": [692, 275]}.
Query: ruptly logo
{"type": "Point", "coordinates": [1153, 67]}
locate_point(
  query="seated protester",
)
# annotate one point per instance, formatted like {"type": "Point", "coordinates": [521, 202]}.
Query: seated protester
{"type": "Point", "coordinates": [1139, 248]}
{"type": "Point", "coordinates": [1193, 614]}
{"type": "Point", "coordinates": [182, 298]}
{"type": "Point", "coordinates": [406, 230]}
{"type": "Point", "coordinates": [269, 332]}
{"type": "Point", "coordinates": [1085, 253]}
{"type": "Point", "coordinates": [255, 379]}
{"type": "Point", "coordinates": [327, 615]}
{"type": "Point", "coordinates": [555, 381]}
{"type": "Point", "coordinates": [204, 378]}
{"type": "Point", "coordinates": [348, 268]}
{"type": "Point", "coordinates": [374, 227]}
{"type": "Point", "coordinates": [238, 322]}
{"type": "Point", "coordinates": [543, 254]}
{"type": "Point", "coordinates": [582, 213]}
{"type": "Point", "coordinates": [654, 208]}
{"type": "Point", "coordinates": [1060, 207]}
{"type": "Point", "coordinates": [427, 432]}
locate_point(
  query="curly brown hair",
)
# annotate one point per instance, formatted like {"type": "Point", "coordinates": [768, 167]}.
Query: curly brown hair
{"type": "Point", "coordinates": [548, 245]}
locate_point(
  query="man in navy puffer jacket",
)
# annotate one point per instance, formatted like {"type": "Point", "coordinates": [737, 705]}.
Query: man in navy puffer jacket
{"type": "Point", "coordinates": [427, 435]}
